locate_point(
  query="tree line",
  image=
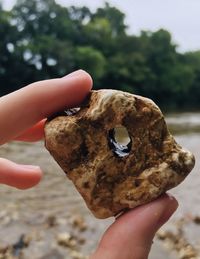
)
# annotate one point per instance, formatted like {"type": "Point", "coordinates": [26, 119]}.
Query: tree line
{"type": "Point", "coordinates": [41, 39]}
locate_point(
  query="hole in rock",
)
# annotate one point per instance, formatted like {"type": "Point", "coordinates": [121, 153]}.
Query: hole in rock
{"type": "Point", "coordinates": [72, 111]}
{"type": "Point", "coordinates": [119, 141]}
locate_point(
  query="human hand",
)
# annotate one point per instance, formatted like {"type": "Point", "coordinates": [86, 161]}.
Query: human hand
{"type": "Point", "coordinates": [131, 235]}
{"type": "Point", "coordinates": [22, 117]}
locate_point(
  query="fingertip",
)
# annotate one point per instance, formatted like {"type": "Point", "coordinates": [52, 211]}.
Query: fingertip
{"type": "Point", "coordinates": [71, 91]}
{"type": "Point", "coordinates": [88, 80]}
{"type": "Point", "coordinates": [170, 205]}
{"type": "Point", "coordinates": [19, 176]}
{"type": "Point", "coordinates": [84, 76]}
{"type": "Point", "coordinates": [132, 233]}
{"type": "Point", "coordinates": [146, 218]}
{"type": "Point", "coordinates": [172, 198]}
{"type": "Point", "coordinates": [30, 176]}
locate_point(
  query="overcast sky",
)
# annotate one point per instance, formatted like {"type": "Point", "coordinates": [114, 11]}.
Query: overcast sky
{"type": "Point", "coordinates": [180, 17]}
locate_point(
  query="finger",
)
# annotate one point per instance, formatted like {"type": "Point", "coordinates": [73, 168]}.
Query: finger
{"type": "Point", "coordinates": [25, 107]}
{"type": "Point", "coordinates": [34, 133]}
{"type": "Point", "coordinates": [131, 235]}
{"type": "Point", "coordinates": [19, 176]}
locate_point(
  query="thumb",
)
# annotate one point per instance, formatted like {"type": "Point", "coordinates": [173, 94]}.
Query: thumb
{"type": "Point", "coordinates": [131, 235]}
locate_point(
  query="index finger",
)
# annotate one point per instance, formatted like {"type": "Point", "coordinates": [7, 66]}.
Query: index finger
{"type": "Point", "coordinates": [25, 107]}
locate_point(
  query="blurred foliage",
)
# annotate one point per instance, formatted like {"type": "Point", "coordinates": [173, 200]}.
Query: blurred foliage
{"type": "Point", "coordinates": [41, 39]}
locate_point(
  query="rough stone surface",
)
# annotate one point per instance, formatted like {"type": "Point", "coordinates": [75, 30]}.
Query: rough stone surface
{"type": "Point", "coordinates": [112, 178]}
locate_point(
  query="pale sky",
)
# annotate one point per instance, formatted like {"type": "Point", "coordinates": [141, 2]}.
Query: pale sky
{"type": "Point", "coordinates": [180, 17]}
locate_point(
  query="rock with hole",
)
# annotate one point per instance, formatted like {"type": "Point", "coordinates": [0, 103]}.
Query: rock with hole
{"type": "Point", "coordinates": [110, 174]}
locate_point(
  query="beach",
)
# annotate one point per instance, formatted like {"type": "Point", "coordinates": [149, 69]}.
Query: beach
{"type": "Point", "coordinates": [52, 221]}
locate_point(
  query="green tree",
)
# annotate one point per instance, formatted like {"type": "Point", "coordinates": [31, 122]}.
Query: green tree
{"type": "Point", "coordinates": [46, 38]}
{"type": "Point", "coordinates": [169, 78]}
{"type": "Point", "coordinates": [42, 39]}
{"type": "Point", "coordinates": [11, 61]}
{"type": "Point", "coordinates": [192, 59]}
{"type": "Point", "coordinates": [92, 61]}
{"type": "Point", "coordinates": [115, 18]}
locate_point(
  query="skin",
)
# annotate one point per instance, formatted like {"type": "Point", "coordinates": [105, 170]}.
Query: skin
{"type": "Point", "coordinates": [22, 117]}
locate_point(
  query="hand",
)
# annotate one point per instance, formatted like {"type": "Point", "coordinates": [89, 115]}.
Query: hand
{"type": "Point", "coordinates": [131, 235]}
{"type": "Point", "coordinates": [22, 117]}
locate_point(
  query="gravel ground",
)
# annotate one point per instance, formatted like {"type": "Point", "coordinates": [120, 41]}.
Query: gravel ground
{"type": "Point", "coordinates": [51, 220]}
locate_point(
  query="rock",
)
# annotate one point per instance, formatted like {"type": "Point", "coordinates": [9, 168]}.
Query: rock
{"type": "Point", "coordinates": [51, 221]}
{"type": "Point", "coordinates": [65, 239]}
{"type": "Point", "coordinates": [6, 253]}
{"type": "Point", "coordinates": [196, 220]}
{"type": "Point", "coordinates": [4, 250]}
{"type": "Point", "coordinates": [79, 222]}
{"type": "Point", "coordinates": [188, 252]}
{"type": "Point", "coordinates": [109, 175]}
{"type": "Point", "coordinates": [76, 255]}
{"type": "Point", "coordinates": [81, 240]}
{"type": "Point", "coordinates": [53, 254]}
{"type": "Point", "coordinates": [179, 243]}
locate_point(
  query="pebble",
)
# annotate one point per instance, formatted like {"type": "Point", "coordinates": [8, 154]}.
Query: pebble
{"type": "Point", "coordinates": [178, 242]}
{"type": "Point", "coordinates": [79, 222]}
{"type": "Point", "coordinates": [66, 239]}
{"type": "Point", "coordinates": [76, 255]}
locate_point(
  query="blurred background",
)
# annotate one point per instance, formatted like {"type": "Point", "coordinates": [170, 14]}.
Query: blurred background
{"type": "Point", "coordinates": [43, 39]}
{"type": "Point", "coordinates": [150, 48]}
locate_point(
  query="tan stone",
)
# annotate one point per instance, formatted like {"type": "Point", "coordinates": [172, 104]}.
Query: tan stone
{"type": "Point", "coordinates": [110, 177]}
{"type": "Point", "coordinates": [66, 239]}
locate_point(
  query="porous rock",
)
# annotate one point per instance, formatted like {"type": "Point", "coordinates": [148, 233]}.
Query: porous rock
{"type": "Point", "coordinates": [109, 176]}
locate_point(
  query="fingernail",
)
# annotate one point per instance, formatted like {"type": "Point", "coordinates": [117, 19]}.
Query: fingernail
{"type": "Point", "coordinates": [168, 210]}
{"type": "Point", "coordinates": [30, 167]}
{"type": "Point", "coordinates": [160, 210]}
{"type": "Point", "coordinates": [74, 74]}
